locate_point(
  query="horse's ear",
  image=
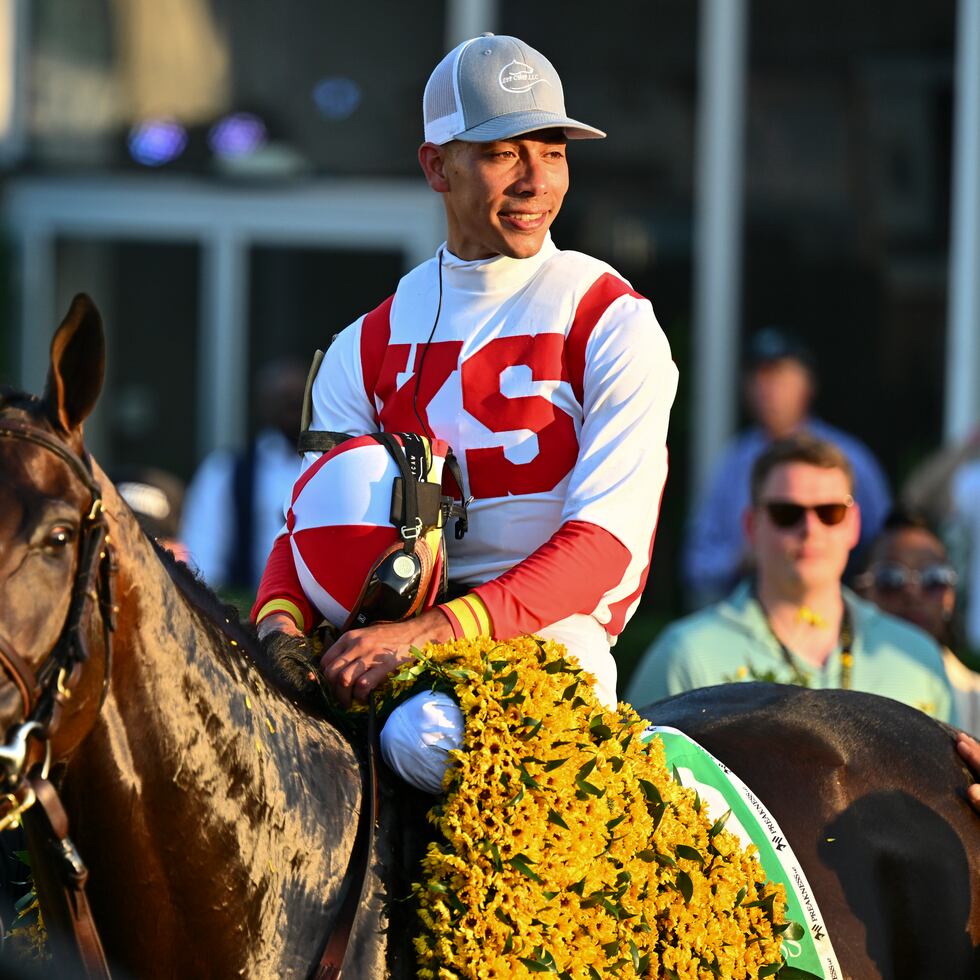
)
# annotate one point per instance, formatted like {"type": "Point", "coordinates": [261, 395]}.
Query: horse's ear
{"type": "Point", "coordinates": [77, 365]}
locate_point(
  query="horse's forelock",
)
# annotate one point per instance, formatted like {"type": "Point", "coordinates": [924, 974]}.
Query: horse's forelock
{"type": "Point", "coordinates": [15, 400]}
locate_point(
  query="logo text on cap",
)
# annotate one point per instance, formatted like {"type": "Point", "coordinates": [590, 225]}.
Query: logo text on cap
{"type": "Point", "coordinates": [518, 77]}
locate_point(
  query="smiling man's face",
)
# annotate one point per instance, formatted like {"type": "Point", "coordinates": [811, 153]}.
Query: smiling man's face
{"type": "Point", "coordinates": [500, 197]}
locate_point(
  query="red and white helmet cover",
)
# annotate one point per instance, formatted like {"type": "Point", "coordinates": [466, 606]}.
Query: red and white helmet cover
{"type": "Point", "coordinates": [339, 524]}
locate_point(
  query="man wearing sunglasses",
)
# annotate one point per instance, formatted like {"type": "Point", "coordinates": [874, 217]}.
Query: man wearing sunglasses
{"type": "Point", "coordinates": [793, 621]}
{"type": "Point", "coordinates": [780, 384]}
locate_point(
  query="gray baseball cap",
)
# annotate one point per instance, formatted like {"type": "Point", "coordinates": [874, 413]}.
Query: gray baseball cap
{"type": "Point", "coordinates": [494, 87]}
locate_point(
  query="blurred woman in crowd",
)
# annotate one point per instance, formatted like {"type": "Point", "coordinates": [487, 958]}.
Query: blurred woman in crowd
{"type": "Point", "coordinates": [909, 575]}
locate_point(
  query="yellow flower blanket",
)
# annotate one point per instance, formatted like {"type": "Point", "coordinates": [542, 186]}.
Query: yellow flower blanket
{"type": "Point", "coordinates": [566, 846]}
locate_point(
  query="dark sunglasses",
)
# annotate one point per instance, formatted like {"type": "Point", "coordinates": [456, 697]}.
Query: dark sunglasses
{"type": "Point", "coordinates": [894, 578]}
{"type": "Point", "coordinates": [786, 513]}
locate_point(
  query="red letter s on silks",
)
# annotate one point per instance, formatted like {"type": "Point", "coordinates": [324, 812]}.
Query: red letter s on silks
{"type": "Point", "coordinates": [491, 474]}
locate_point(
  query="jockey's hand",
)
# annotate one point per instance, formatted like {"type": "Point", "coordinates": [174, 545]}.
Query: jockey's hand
{"type": "Point", "coordinates": [969, 749]}
{"type": "Point", "coordinates": [361, 659]}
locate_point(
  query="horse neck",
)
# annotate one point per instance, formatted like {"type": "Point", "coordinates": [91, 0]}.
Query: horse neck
{"type": "Point", "coordinates": [183, 665]}
{"type": "Point", "coordinates": [203, 776]}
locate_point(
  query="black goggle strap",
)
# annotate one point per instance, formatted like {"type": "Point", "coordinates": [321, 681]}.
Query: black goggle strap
{"type": "Point", "coordinates": [452, 508]}
{"type": "Point", "coordinates": [417, 455]}
{"type": "Point", "coordinates": [418, 452]}
{"type": "Point", "coordinates": [411, 523]}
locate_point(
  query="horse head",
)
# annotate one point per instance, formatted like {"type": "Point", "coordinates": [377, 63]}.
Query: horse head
{"type": "Point", "coordinates": [186, 755]}
{"type": "Point", "coordinates": [54, 556]}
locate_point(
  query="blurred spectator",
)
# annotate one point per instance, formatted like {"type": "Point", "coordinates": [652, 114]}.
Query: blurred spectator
{"type": "Point", "coordinates": [234, 504]}
{"type": "Point", "coordinates": [779, 388]}
{"type": "Point", "coordinates": [910, 576]}
{"type": "Point", "coordinates": [946, 488]}
{"type": "Point", "coordinates": [156, 498]}
{"type": "Point", "coordinates": [795, 622]}
{"type": "Point", "coordinates": [929, 489]}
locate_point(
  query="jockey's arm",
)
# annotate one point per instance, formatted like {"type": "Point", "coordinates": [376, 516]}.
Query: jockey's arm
{"type": "Point", "coordinates": [969, 749]}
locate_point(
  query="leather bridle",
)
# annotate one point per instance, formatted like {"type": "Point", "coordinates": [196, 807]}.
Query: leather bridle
{"type": "Point", "coordinates": [25, 757]}
{"type": "Point", "coordinates": [59, 873]}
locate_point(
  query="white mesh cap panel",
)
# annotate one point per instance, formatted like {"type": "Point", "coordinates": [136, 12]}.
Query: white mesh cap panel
{"type": "Point", "coordinates": [442, 115]}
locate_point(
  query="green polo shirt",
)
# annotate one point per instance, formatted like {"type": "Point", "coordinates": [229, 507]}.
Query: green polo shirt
{"type": "Point", "coordinates": [732, 641]}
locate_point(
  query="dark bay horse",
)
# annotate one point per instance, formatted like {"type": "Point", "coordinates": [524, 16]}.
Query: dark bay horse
{"type": "Point", "coordinates": [871, 794]}
{"type": "Point", "coordinates": [217, 816]}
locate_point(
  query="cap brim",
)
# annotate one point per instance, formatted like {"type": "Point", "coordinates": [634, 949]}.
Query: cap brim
{"type": "Point", "coordinates": [518, 123]}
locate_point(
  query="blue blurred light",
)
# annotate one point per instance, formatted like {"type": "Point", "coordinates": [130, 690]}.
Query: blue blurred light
{"type": "Point", "coordinates": [155, 142]}
{"type": "Point", "coordinates": [237, 135]}
{"type": "Point", "coordinates": [337, 97]}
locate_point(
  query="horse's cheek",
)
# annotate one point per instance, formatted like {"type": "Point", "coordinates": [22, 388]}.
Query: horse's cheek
{"type": "Point", "coordinates": [27, 622]}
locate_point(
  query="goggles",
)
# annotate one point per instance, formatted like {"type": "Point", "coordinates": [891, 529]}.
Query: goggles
{"type": "Point", "coordinates": [787, 513]}
{"type": "Point", "coordinates": [894, 578]}
{"type": "Point", "coordinates": [392, 590]}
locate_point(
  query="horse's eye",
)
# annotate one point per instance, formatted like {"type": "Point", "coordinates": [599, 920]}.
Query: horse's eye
{"type": "Point", "coordinates": [60, 536]}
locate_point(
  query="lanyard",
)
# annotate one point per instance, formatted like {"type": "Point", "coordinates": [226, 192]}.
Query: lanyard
{"type": "Point", "coordinates": [846, 652]}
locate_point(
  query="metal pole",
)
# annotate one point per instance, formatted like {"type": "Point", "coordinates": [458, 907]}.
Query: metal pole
{"type": "Point", "coordinates": [15, 60]}
{"type": "Point", "coordinates": [722, 54]}
{"type": "Point", "coordinates": [962, 409]}
{"type": "Point", "coordinates": [469, 18]}
{"type": "Point", "coordinates": [223, 380]}
{"type": "Point", "coordinates": [38, 316]}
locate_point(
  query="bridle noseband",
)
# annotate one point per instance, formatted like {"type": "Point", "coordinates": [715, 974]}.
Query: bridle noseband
{"type": "Point", "coordinates": [43, 692]}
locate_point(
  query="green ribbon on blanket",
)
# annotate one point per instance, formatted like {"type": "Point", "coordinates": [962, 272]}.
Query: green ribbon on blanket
{"type": "Point", "coordinates": [806, 945]}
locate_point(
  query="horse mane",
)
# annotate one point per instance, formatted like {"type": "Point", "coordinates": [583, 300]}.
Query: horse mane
{"type": "Point", "coordinates": [206, 601]}
{"type": "Point", "coordinates": [287, 673]}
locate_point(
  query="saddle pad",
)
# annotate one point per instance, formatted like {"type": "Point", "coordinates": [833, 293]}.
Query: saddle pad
{"type": "Point", "coordinates": [806, 948]}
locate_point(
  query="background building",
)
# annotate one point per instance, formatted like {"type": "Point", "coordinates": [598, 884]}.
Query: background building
{"type": "Point", "coordinates": [231, 179]}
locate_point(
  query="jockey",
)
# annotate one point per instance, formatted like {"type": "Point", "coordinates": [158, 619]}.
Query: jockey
{"type": "Point", "coordinates": [543, 369]}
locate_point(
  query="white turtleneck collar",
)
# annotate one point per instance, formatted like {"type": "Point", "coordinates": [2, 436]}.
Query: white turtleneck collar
{"type": "Point", "coordinates": [497, 273]}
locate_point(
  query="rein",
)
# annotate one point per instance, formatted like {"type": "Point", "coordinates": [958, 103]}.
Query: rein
{"type": "Point", "coordinates": [28, 794]}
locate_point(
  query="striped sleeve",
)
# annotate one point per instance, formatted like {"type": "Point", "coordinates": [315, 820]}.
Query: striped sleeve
{"type": "Point", "coordinates": [468, 616]}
